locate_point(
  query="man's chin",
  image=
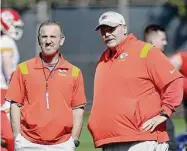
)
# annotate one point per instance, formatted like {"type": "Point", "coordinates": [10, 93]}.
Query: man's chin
{"type": "Point", "coordinates": [50, 53]}
{"type": "Point", "coordinates": [111, 46]}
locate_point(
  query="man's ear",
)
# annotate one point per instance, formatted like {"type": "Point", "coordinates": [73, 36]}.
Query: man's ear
{"type": "Point", "coordinates": [39, 39]}
{"type": "Point", "coordinates": [62, 41]}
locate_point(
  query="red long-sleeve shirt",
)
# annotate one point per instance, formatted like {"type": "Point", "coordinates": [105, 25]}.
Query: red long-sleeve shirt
{"type": "Point", "coordinates": [131, 87]}
{"type": "Point", "coordinates": [184, 70]}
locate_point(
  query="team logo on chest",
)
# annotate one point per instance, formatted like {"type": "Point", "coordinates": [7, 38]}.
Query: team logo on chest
{"type": "Point", "coordinates": [62, 72]}
{"type": "Point", "coordinates": [123, 56]}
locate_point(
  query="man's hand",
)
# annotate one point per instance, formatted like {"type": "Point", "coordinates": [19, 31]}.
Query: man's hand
{"type": "Point", "coordinates": [152, 123]}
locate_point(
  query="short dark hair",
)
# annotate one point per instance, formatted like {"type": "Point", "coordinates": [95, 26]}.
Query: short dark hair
{"type": "Point", "coordinates": [50, 22]}
{"type": "Point", "coordinates": [152, 28]}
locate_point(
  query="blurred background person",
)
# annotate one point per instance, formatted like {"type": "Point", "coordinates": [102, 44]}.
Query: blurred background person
{"type": "Point", "coordinates": [11, 30]}
{"type": "Point", "coordinates": [179, 60]}
{"type": "Point", "coordinates": [156, 35]}
{"type": "Point", "coordinates": [7, 139]}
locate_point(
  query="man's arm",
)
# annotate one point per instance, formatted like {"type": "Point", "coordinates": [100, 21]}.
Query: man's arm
{"type": "Point", "coordinates": [15, 118]}
{"type": "Point", "coordinates": [171, 98]}
{"type": "Point", "coordinates": [7, 66]}
{"type": "Point", "coordinates": [77, 122]}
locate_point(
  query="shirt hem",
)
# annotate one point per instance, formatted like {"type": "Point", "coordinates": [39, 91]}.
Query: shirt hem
{"type": "Point", "coordinates": [64, 138]}
{"type": "Point", "coordinates": [118, 139]}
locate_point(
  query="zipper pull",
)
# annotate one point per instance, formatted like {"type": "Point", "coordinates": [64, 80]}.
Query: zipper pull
{"type": "Point", "coordinates": [47, 99]}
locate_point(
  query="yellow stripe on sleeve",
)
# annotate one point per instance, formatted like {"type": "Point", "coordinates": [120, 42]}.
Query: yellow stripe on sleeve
{"type": "Point", "coordinates": [145, 50]}
{"type": "Point", "coordinates": [75, 71]}
{"type": "Point", "coordinates": [23, 68]}
{"type": "Point", "coordinates": [6, 50]}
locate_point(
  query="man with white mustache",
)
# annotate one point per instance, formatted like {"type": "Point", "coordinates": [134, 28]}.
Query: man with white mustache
{"type": "Point", "coordinates": [134, 92]}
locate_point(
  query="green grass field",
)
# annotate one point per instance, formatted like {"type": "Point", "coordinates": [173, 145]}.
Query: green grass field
{"type": "Point", "coordinates": [86, 139]}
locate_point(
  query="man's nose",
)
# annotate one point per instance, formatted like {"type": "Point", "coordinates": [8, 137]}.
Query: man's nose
{"type": "Point", "coordinates": [107, 34]}
{"type": "Point", "coordinates": [48, 40]}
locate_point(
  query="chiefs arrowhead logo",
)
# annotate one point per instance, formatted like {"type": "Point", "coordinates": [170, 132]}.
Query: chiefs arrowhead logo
{"type": "Point", "coordinates": [104, 17]}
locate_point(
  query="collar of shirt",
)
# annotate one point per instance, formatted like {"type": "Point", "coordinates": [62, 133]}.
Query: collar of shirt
{"type": "Point", "coordinates": [62, 63]}
{"type": "Point", "coordinates": [123, 46]}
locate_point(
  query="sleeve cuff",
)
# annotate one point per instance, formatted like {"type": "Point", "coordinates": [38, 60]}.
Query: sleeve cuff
{"type": "Point", "coordinates": [14, 100]}
{"type": "Point", "coordinates": [167, 110]}
{"type": "Point", "coordinates": [78, 106]}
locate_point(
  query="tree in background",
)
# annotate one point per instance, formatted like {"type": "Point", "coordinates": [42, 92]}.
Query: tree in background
{"type": "Point", "coordinates": [181, 6]}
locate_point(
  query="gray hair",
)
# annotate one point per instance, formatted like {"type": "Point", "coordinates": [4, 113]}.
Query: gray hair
{"type": "Point", "coordinates": [50, 22]}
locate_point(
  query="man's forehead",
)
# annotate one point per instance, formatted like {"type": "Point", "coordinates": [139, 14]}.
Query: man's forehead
{"type": "Point", "coordinates": [161, 33]}
{"type": "Point", "coordinates": [50, 29]}
{"type": "Point", "coordinates": [156, 34]}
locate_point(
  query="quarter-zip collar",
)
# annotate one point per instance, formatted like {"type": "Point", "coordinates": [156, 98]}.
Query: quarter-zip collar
{"type": "Point", "coordinates": [120, 48]}
{"type": "Point", "coordinates": [62, 63]}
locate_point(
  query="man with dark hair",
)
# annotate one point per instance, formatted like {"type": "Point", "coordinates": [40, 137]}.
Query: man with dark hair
{"type": "Point", "coordinates": [156, 35]}
{"type": "Point", "coordinates": [47, 97]}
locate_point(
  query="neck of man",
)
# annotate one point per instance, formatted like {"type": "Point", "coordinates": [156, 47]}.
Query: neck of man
{"type": "Point", "coordinates": [112, 52]}
{"type": "Point", "coordinates": [50, 60]}
{"type": "Point", "coordinates": [114, 49]}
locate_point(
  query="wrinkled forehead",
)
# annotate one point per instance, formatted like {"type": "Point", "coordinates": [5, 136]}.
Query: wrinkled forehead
{"type": "Point", "coordinates": [50, 30]}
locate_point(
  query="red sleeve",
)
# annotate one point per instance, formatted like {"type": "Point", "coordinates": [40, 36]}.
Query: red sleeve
{"type": "Point", "coordinates": [16, 89]}
{"type": "Point", "coordinates": [171, 96]}
{"type": "Point", "coordinates": [78, 97]}
{"type": "Point", "coordinates": [160, 70]}
{"type": "Point", "coordinates": [185, 87]}
{"type": "Point", "coordinates": [6, 131]}
{"type": "Point", "coordinates": [3, 93]}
